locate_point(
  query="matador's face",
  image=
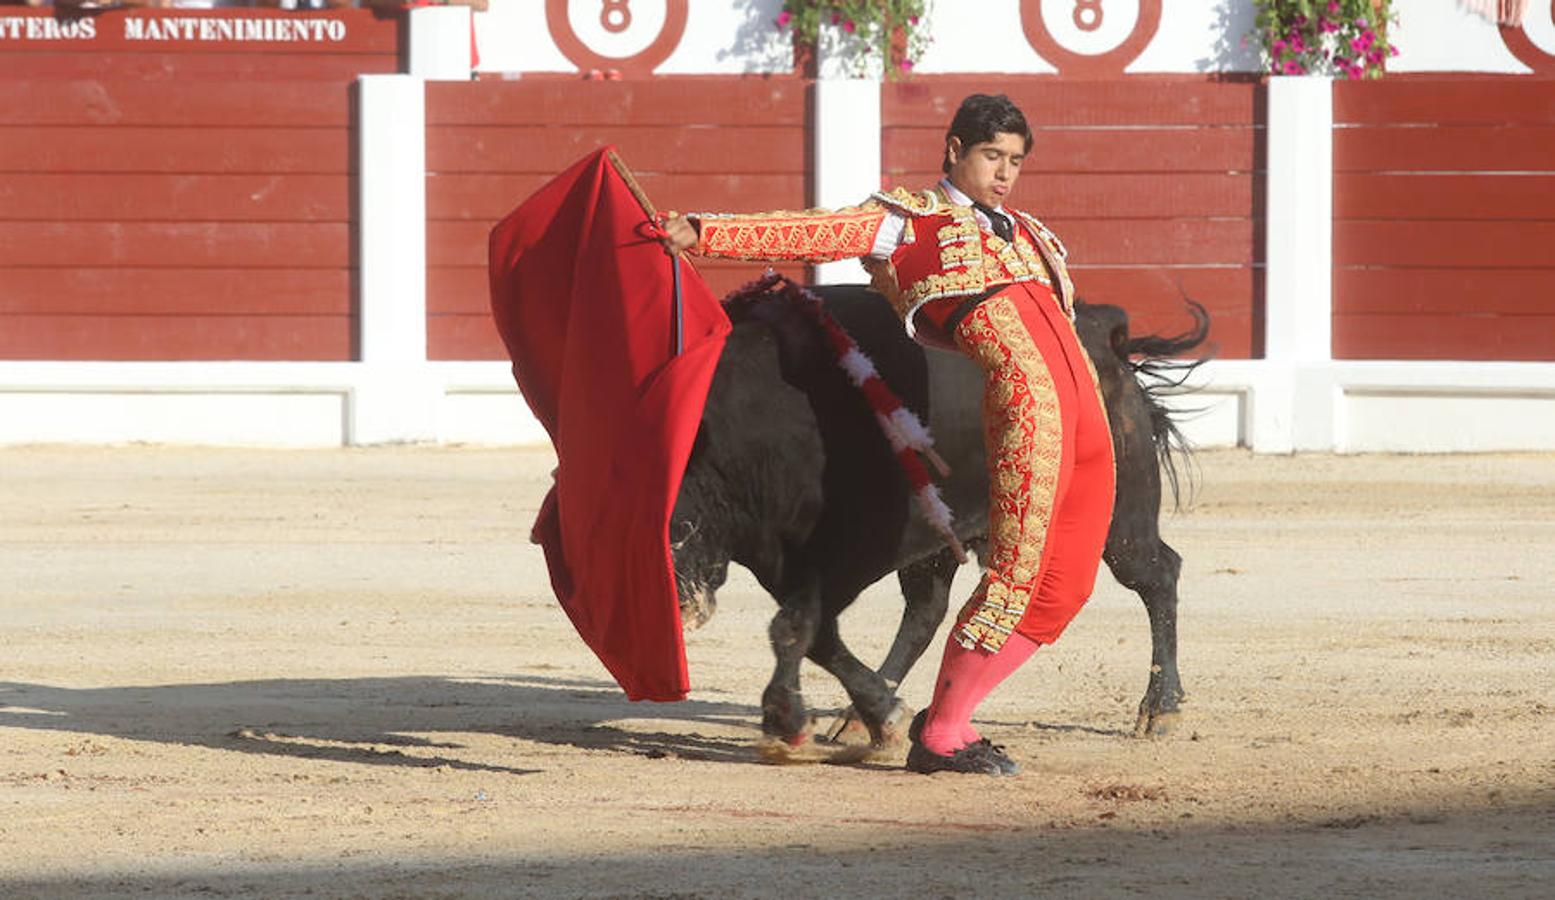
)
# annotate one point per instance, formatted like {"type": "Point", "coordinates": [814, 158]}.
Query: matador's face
{"type": "Point", "coordinates": [987, 171]}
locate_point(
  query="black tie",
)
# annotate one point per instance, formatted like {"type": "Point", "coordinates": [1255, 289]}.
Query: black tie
{"type": "Point", "coordinates": [998, 221]}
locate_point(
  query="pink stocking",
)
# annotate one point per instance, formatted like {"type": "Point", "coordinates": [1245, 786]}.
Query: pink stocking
{"type": "Point", "coordinates": [965, 678]}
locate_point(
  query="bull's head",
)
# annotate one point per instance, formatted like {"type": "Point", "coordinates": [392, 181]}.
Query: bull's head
{"type": "Point", "coordinates": [752, 482]}
{"type": "Point", "coordinates": [696, 535]}
{"type": "Point", "coordinates": [698, 573]}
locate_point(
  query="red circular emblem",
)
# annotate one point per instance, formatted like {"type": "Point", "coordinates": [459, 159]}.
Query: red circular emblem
{"type": "Point", "coordinates": [615, 17]}
{"type": "Point", "coordinates": [1541, 61]}
{"type": "Point", "coordinates": [1088, 17]}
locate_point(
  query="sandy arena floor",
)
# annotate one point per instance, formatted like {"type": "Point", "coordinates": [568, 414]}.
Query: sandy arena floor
{"type": "Point", "coordinates": [341, 674]}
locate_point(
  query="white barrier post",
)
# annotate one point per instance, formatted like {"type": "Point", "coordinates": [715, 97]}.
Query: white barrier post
{"type": "Point", "coordinates": [847, 156]}
{"type": "Point", "coordinates": [394, 401]}
{"type": "Point", "coordinates": [1298, 312]}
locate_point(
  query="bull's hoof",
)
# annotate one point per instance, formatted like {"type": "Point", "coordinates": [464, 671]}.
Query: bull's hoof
{"type": "Point", "coordinates": [1157, 723]}
{"type": "Point", "coordinates": [848, 729]}
{"type": "Point", "coordinates": [893, 731]}
{"type": "Point", "coordinates": [859, 748]}
{"type": "Point", "coordinates": [790, 751]}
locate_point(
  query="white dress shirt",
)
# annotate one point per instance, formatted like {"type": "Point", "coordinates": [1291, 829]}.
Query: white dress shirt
{"type": "Point", "coordinates": [893, 231]}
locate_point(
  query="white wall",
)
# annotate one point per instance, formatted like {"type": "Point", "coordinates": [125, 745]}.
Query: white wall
{"type": "Point", "coordinates": [992, 27]}
{"type": "Point", "coordinates": [975, 36]}
{"type": "Point", "coordinates": [1433, 37]}
{"type": "Point", "coordinates": [721, 38]}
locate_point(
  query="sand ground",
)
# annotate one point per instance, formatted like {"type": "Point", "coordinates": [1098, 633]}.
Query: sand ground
{"type": "Point", "coordinates": [245, 673]}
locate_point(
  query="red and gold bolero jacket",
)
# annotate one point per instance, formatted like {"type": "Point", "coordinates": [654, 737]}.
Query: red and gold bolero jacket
{"type": "Point", "coordinates": [945, 255]}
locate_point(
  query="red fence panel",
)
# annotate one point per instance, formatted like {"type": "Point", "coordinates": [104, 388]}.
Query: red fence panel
{"type": "Point", "coordinates": [1444, 216]}
{"type": "Point", "coordinates": [1155, 185]}
{"type": "Point", "coordinates": [178, 185]}
{"type": "Point", "coordinates": [695, 144]}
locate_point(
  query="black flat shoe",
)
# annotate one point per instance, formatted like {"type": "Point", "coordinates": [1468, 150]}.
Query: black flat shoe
{"type": "Point", "coordinates": [983, 748]}
{"type": "Point", "coordinates": [924, 761]}
{"type": "Point", "coordinates": [995, 753]}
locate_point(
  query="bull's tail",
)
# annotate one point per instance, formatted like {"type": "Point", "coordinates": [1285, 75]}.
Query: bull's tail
{"type": "Point", "coordinates": [1161, 369]}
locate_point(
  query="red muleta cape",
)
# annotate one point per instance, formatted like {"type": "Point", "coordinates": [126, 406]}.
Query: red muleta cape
{"type": "Point", "coordinates": [583, 298]}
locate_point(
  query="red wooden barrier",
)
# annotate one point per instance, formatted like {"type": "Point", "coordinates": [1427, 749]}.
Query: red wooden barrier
{"type": "Point", "coordinates": [714, 144]}
{"type": "Point", "coordinates": [178, 185]}
{"type": "Point", "coordinates": [1444, 219]}
{"type": "Point", "coordinates": [1156, 185]}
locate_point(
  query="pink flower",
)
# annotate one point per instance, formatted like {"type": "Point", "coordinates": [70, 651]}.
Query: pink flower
{"type": "Point", "coordinates": [1277, 47]}
{"type": "Point", "coordinates": [906, 65]}
{"type": "Point", "coordinates": [1392, 51]}
{"type": "Point", "coordinates": [1333, 8]}
{"type": "Point", "coordinates": [784, 18]}
{"type": "Point", "coordinates": [836, 17]}
{"type": "Point", "coordinates": [849, 27]}
{"type": "Point", "coordinates": [1327, 26]}
{"type": "Point", "coordinates": [912, 20]}
{"type": "Point", "coordinates": [1362, 23]}
{"type": "Point", "coordinates": [1357, 46]}
{"type": "Point", "coordinates": [1293, 68]}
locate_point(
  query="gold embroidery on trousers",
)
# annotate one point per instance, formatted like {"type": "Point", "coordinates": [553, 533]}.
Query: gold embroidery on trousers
{"type": "Point", "coordinates": [1023, 430]}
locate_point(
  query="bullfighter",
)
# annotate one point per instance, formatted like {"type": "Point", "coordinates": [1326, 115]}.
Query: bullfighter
{"type": "Point", "coordinates": [968, 273]}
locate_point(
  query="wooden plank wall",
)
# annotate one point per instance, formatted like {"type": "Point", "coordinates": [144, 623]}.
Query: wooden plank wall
{"type": "Point", "coordinates": [1444, 219]}
{"type": "Point", "coordinates": [180, 205]}
{"type": "Point", "coordinates": [1155, 185]}
{"type": "Point", "coordinates": [696, 144]}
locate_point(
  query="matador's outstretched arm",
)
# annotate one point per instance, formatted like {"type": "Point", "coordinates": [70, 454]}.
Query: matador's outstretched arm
{"type": "Point", "coordinates": [811, 235]}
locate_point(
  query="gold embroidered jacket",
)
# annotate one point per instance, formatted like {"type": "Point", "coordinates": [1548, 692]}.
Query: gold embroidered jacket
{"type": "Point", "coordinates": [944, 253]}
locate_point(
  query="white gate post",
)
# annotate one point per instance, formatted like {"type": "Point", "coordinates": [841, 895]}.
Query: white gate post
{"type": "Point", "coordinates": [1298, 311]}
{"type": "Point", "coordinates": [393, 401]}
{"type": "Point", "coordinates": [847, 156]}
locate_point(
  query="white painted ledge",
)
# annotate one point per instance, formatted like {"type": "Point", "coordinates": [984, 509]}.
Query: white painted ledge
{"type": "Point", "coordinates": [1346, 407]}
{"type": "Point", "coordinates": [1372, 407]}
{"type": "Point", "coordinates": [279, 404]}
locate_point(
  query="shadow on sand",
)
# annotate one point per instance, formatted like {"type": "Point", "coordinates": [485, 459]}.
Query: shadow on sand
{"type": "Point", "coordinates": [376, 721]}
{"type": "Point", "coordinates": [1477, 852]}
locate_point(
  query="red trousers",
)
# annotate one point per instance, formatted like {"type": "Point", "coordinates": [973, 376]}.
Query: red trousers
{"type": "Point", "coordinates": [1050, 469]}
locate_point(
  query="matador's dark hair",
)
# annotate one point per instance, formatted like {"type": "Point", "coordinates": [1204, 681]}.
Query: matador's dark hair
{"type": "Point", "coordinates": [982, 116]}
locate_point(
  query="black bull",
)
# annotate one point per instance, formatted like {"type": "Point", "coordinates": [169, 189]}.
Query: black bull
{"type": "Point", "coordinates": [791, 477]}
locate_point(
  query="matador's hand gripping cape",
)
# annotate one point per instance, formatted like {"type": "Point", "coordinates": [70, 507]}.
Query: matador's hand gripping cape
{"type": "Point", "coordinates": [582, 295]}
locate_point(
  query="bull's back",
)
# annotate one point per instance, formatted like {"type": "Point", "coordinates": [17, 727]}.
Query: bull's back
{"type": "Point", "coordinates": [944, 389]}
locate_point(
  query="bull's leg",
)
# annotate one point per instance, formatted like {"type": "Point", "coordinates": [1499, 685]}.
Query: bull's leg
{"type": "Point", "coordinates": [1147, 566]}
{"type": "Point", "coordinates": [783, 715]}
{"type": "Point", "coordinates": [874, 699]}
{"type": "Point", "coordinates": [926, 590]}
{"type": "Point", "coordinates": [1135, 553]}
